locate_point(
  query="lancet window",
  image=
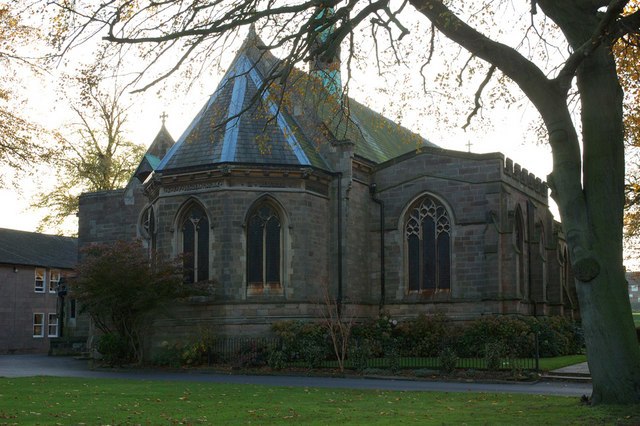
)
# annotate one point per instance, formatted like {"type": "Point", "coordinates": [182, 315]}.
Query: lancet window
{"type": "Point", "coordinates": [264, 246]}
{"type": "Point", "coordinates": [194, 229]}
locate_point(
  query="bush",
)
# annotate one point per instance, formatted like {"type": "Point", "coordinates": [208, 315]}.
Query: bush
{"type": "Point", "coordinates": [512, 333]}
{"type": "Point", "coordinates": [303, 341]}
{"type": "Point", "coordinates": [448, 360]}
{"type": "Point", "coordinates": [427, 335]}
{"type": "Point", "coordinates": [115, 349]}
{"type": "Point", "coordinates": [277, 359]}
{"type": "Point", "coordinates": [557, 336]}
{"type": "Point", "coordinates": [493, 354]}
{"type": "Point", "coordinates": [359, 354]}
{"type": "Point", "coordinates": [168, 356]}
{"type": "Point", "coordinates": [380, 333]}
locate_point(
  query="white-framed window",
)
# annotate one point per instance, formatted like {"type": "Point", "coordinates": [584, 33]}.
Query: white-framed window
{"type": "Point", "coordinates": [634, 288]}
{"type": "Point", "coordinates": [54, 280]}
{"type": "Point", "coordinates": [52, 325]}
{"type": "Point", "coordinates": [41, 273]}
{"type": "Point", "coordinates": [38, 324]}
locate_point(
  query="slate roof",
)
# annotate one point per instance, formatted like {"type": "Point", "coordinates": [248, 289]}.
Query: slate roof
{"type": "Point", "coordinates": [152, 158]}
{"type": "Point", "coordinates": [244, 123]}
{"type": "Point", "coordinates": [33, 249]}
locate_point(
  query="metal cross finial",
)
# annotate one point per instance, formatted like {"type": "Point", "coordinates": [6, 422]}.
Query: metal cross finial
{"type": "Point", "coordinates": [469, 146]}
{"type": "Point", "coordinates": [163, 116]}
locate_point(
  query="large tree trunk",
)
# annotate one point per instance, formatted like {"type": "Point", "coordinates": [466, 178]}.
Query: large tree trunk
{"type": "Point", "coordinates": [612, 347]}
{"type": "Point", "coordinates": [589, 191]}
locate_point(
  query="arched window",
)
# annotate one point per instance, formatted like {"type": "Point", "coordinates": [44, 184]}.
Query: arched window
{"type": "Point", "coordinates": [148, 229]}
{"type": "Point", "coordinates": [264, 247]}
{"type": "Point", "coordinates": [565, 265]}
{"type": "Point", "coordinates": [428, 236]}
{"type": "Point", "coordinates": [543, 258]}
{"type": "Point", "coordinates": [194, 229]}
{"type": "Point", "coordinates": [519, 249]}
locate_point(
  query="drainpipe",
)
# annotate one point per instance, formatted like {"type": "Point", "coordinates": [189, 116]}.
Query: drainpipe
{"type": "Point", "coordinates": [372, 191]}
{"type": "Point", "coordinates": [339, 298]}
{"type": "Point", "coordinates": [530, 232]}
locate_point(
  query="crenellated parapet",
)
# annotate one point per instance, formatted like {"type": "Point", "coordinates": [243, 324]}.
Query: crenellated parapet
{"type": "Point", "coordinates": [521, 175]}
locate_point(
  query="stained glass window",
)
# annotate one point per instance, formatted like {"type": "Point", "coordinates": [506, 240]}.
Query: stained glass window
{"type": "Point", "coordinates": [263, 246]}
{"type": "Point", "coordinates": [195, 244]}
{"type": "Point", "coordinates": [428, 236]}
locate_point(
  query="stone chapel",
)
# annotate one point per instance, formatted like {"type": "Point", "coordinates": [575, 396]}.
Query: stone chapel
{"type": "Point", "coordinates": [277, 193]}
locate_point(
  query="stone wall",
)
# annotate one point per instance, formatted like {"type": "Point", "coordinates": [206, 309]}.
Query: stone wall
{"type": "Point", "coordinates": [305, 265]}
{"type": "Point", "coordinates": [481, 195]}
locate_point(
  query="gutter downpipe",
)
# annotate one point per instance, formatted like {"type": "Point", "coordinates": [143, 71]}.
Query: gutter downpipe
{"type": "Point", "coordinates": [372, 191]}
{"type": "Point", "coordinates": [339, 297]}
{"type": "Point", "coordinates": [530, 232]}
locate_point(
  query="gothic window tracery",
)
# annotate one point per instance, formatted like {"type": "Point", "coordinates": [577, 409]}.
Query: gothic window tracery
{"type": "Point", "coordinates": [264, 247]}
{"type": "Point", "coordinates": [194, 229]}
{"type": "Point", "coordinates": [428, 238]}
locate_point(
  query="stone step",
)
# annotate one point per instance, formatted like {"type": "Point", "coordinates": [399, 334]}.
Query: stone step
{"type": "Point", "coordinates": [566, 377]}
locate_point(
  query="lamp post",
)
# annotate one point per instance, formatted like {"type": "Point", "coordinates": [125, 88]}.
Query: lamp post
{"type": "Point", "coordinates": [62, 292]}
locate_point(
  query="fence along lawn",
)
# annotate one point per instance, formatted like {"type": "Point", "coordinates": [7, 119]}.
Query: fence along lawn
{"type": "Point", "coordinates": [51, 400]}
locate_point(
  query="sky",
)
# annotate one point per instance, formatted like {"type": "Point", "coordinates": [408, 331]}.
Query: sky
{"type": "Point", "coordinates": [504, 128]}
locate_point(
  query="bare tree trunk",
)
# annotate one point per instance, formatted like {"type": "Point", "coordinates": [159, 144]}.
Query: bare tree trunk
{"type": "Point", "coordinates": [589, 191]}
{"type": "Point", "coordinates": [612, 347]}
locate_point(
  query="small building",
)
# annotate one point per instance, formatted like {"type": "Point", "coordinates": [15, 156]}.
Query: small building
{"type": "Point", "coordinates": [31, 268]}
{"type": "Point", "coordinates": [633, 278]}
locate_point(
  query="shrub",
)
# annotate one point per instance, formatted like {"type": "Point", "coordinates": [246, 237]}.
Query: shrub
{"type": "Point", "coordinates": [380, 333]}
{"type": "Point", "coordinates": [115, 349]}
{"type": "Point", "coordinates": [512, 333]}
{"type": "Point", "coordinates": [426, 335]}
{"type": "Point", "coordinates": [393, 355]}
{"type": "Point", "coordinates": [359, 354]}
{"type": "Point", "coordinates": [277, 359]}
{"type": "Point", "coordinates": [168, 356]}
{"type": "Point", "coordinates": [448, 360]}
{"type": "Point", "coordinates": [557, 336]}
{"type": "Point", "coordinates": [493, 353]}
{"type": "Point", "coordinates": [304, 341]}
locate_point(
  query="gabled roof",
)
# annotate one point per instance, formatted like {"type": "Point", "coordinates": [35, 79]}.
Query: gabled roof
{"type": "Point", "coordinates": [152, 158]}
{"type": "Point", "coordinates": [285, 124]}
{"type": "Point", "coordinates": [33, 249]}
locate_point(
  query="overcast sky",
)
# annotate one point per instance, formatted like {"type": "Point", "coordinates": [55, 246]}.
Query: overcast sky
{"type": "Point", "coordinates": [506, 127]}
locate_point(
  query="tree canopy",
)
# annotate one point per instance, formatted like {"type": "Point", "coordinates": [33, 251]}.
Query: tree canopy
{"type": "Point", "coordinates": [19, 145]}
{"type": "Point", "coordinates": [554, 51]}
{"type": "Point", "coordinates": [93, 152]}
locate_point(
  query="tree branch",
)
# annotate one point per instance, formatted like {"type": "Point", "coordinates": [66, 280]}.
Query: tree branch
{"type": "Point", "coordinates": [478, 95]}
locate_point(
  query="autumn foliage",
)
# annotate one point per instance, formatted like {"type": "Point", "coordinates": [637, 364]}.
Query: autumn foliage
{"type": "Point", "coordinates": [121, 290]}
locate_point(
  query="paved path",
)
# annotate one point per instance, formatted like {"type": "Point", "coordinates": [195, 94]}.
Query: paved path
{"type": "Point", "coordinates": [582, 368]}
{"type": "Point", "coordinates": [41, 365]}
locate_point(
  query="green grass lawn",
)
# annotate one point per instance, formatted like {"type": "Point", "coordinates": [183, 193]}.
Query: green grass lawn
{"type": "Point", "coordinates": [548, 364]}
{"type": "Point", "coordinates": [51, 400]}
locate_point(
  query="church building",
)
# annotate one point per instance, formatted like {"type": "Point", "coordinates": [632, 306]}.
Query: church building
{"type": "Point", "coordinates": [279, 194]}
